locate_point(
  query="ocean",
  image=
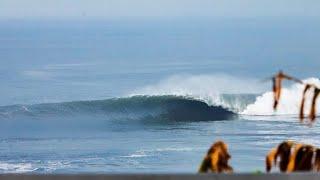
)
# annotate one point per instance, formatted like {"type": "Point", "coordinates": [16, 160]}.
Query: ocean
{"type": "Point", "coordinates": [120, 96]}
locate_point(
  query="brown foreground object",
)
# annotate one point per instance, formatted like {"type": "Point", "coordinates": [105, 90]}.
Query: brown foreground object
{"type": "Point", "coordinates": [316, 91]}
{"type": "Point", "coordinates": [294, 157]}
{"type": "Point", "coordinates": [277, 86]}
{"type": "Point", "coordinates": [216, 160]}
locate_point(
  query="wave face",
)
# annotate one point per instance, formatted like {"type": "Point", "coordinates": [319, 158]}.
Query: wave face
{"type": "Point", "coordinates": [289, 101]}
{"type": "Point", "coordinates": [171, 108]}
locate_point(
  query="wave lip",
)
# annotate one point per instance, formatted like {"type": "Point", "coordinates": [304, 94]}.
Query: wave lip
{"type": "Point", "coordinates": [190, 109]}
{"type": "Point", "coordinates": [171, 108]}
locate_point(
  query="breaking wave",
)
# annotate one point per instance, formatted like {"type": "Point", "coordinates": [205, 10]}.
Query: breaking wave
{"type": "Point", "coordinates": [172, 108]}
{"type": "Point", "coordinates": [166, 101]}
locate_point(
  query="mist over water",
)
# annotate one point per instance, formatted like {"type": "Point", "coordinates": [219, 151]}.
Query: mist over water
{"type": "Point", "coordinates": [118, 96]}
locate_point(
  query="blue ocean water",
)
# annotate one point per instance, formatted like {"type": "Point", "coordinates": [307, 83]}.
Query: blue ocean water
{"type": "Point", "coordinates": [143, 96]}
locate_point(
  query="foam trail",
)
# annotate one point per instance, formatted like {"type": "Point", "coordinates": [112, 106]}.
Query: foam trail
{"type": "Point", "coordinates": [207, 88]}
{"type": "Point", "coordinates": [289, 102]}
{"type": "Point", "coordinates": [16, 168]}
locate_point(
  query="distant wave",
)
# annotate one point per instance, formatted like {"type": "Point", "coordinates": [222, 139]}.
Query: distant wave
{"type": "Point", "coordinates": [177, 98]}
{"type": "Point", "coordinates": [190, 107]}
{"type": "Point", "coordinates": [139, 110]}
{"type": "Point", "coordinates": [171, 108]}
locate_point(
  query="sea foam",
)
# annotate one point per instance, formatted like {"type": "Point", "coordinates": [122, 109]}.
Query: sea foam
{"type": "Point", "coordinates": [289, 104]}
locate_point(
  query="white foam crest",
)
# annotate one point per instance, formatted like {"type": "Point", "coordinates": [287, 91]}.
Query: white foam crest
{"type": "Point", "coordinates": [175, 149]}
{"type": "Point", "coordinates": [151, 152]}
{"type": "Point", "coordinates": [207, 88]}
{"type": "Point", "coordinates": [137, 154]}
{"type": "Point", "coordinates": [16, 168]}
{"type": "Point", "coordinates": [289, 104]}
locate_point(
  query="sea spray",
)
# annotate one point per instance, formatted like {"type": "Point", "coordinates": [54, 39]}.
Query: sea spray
{"type": "Point", "coordinates": [289, 104]}
{"type": "Point", "coordinates": [233, 93]}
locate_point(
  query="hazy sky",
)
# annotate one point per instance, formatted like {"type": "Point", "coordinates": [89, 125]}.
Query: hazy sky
{"type": "Point", "coordinates": [111, 9]}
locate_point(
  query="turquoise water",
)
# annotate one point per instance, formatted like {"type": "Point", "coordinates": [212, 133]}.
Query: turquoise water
{"type": "Point", "coordinates": [146, 96]}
